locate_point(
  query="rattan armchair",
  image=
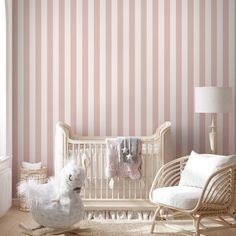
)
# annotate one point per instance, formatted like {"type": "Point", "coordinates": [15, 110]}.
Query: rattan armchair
{"type": "Point", "coordinates": [215, 200]}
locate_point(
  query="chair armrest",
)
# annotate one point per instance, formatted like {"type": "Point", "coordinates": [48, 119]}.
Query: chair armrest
{"type": "Point", "coordinates": [219, 190]}
{"type": "Point", "coordinates": [168, 174]}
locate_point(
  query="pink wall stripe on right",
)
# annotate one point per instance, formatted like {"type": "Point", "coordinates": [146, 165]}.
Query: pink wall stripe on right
{"type": "Point", "coordinates": [190, 75]}
{"type": "Point", "coordinates": [202, 71]}
{"type": "Point", "coordinates": [167, 59]}
{"type": "Point", "coordinates": [225, 71]}
{"type": "Point", "coordinates": [178, 77]}
{"type": "Point", "coordinates": [155, 64]}
{"type": "Point", "coordinates": [213, 42]}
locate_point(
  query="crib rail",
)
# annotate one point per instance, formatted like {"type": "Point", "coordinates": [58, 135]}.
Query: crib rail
{"type": "Point", "coordinates": [91, 154]}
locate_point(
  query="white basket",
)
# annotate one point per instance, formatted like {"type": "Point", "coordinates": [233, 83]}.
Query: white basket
{"type": "Point", "coordinates": [40, 176]}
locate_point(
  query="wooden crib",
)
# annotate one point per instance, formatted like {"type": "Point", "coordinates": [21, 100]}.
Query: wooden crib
{"type": "Point", "coordinates": [127, 197]}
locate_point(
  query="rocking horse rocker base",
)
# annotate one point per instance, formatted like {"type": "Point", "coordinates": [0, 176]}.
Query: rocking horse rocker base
{"type": "Point", "coordinates": [46, 231]}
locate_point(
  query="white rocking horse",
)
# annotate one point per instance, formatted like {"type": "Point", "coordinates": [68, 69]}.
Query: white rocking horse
{"type": "Point", "coordinates": [56, 206]}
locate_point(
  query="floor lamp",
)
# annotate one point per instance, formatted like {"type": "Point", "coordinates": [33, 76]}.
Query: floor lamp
{"type": "Point", "coordinates": [213, 100]}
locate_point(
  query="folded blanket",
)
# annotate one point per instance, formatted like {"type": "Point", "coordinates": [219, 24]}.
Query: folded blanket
{"type": "Point", "coordinates": [124, 158]}
{"type": "Point", "coordinates": [129, 149]}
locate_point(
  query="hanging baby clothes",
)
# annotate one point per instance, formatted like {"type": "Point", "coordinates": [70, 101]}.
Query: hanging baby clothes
{"type": "Point", "coordinates": [123, 158]}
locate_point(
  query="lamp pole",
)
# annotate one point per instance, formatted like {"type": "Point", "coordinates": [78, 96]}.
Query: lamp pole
{"type": "Point", "coordinates": [212, 134]}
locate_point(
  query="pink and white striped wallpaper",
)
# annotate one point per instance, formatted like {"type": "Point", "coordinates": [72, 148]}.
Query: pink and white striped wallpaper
{"type": "Point", "coordinates": [119, 67]}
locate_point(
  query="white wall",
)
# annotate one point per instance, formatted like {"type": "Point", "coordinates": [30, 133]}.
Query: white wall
{"type": "Point", "coordinates": [9, 83]}
{"type": "Point", "coordinates": [3, 81]}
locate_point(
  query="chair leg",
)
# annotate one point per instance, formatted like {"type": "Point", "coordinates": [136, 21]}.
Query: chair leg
{"type": "Point", "coordinates": [196, 223]}
{"type": "Point", "coordinates": [154, 219]}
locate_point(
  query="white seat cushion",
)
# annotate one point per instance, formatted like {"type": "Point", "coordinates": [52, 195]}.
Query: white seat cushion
{"type": "Point", "coordinates": [200, 167]}
{"type": "Point", "coordinates": [183, 197]}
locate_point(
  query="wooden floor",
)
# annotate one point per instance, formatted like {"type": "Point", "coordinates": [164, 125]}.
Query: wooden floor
{"type": "Point", "coordinates": [9, 222]}
{"type": "Point", "coordinates": [9, 226]}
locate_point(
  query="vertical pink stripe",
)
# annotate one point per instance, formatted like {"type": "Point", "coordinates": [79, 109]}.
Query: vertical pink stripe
{"type": "Point", "coordinates": [97, 67]}
{"type": "Point", "coordinates": [15, 94]}
{"type": "Point", "coordinates": [143, 67]}
{"type": "Point", "coordinates": [50, 88]}
{"type": "Point", "coordinates": [167, 60]}
{"type": "Point", "coordinates": [155, 65]}
{"type": "Point", "coordinates": [214, 43]}
{"type": "Point", "coordinates": [131, 67]}
{"type": "Point", "coordinates": [85, 67]}
{"type": "Point", "coordinates": [120, 66]}
{"type": "Point", "coordinates": [178, 78]}
{"type": "Point", "coordinates": [61, 59]}
{"type": "Point", "coordinates": [26, 80]}
{"type": "Point", "coordinates": [225, 72]}
{"type": "Point", "coordinates": [73, 65]}
{"type": "Point", "coordinates": [190, 74]}
{"type": "Point", "coordinates": [202, 71]}
{"type": "Point", "coordinates": [38, 82]}
{"type": "Point", "coordinates": [108, 67]}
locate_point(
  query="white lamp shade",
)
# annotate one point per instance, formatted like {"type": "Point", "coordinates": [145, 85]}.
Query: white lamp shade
{"type": "Point", "coordinates": [213, 99]}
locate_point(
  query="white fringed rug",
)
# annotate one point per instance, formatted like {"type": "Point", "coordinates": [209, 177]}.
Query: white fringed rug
{"type": "Point", "coordinates": [122, 227]}
{"type": "Point", "coordinates": [142, 228]}
{"type": "Point", "coordinates": [115, 227]}
{"type": "Point", "coordinates": [9, 226]}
